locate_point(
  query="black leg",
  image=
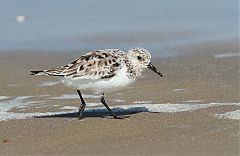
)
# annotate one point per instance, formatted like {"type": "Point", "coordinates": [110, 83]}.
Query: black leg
{"type": "Point", "coordinates": [109, 109]}
{"type": "Point", "coordinates": [82, 106]}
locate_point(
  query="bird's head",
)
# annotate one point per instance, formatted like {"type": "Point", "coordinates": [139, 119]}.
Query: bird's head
{"type": "Point", "coordinates": [141, 58]}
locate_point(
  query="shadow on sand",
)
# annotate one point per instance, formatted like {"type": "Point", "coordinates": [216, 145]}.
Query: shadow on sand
{"type": "Point", "coordinates": [98, 112]}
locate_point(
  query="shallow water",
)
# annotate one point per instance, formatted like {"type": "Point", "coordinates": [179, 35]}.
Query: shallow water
{"type": "Point", "coordinates": [157, 25]}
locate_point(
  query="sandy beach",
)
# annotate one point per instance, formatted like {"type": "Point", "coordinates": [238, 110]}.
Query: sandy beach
{"type": "Point", "coordinates": [190, 111]}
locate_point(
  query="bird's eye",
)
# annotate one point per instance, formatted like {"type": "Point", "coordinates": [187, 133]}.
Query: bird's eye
{"type": "Point", "coordinates": [139, 58]}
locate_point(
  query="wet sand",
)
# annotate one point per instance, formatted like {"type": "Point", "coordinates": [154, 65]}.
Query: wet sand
{"type": "Point", "coordinates": [197, 75]}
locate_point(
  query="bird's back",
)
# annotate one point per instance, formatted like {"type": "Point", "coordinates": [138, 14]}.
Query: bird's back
{"type": "Point", "coordinates": [97, 64]}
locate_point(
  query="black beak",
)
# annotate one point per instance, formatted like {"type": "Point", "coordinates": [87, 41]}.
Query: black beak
{"type": "Point", "coordinates": [150, 66]}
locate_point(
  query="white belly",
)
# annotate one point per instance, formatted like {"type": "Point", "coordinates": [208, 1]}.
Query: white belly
{"type": "Point", "coordinates": [117, 82]}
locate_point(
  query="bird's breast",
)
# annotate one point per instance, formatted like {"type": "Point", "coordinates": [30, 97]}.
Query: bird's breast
{"type": "Point", "coordinates": [118, 81]}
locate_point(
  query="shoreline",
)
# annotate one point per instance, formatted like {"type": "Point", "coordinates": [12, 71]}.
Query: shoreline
{"type": "Point", "coordinates": [191, 79]}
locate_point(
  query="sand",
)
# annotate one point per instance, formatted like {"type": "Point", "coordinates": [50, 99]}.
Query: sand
{"type": "Point", "coordinates": [197, 75]}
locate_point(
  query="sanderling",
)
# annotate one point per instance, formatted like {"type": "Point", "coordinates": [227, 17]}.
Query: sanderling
{"type": "Point", "coordinates": [102, 70]}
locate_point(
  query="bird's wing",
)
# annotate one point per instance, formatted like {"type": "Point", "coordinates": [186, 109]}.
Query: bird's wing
{"type": "Point", "coordinates": [95, 65]}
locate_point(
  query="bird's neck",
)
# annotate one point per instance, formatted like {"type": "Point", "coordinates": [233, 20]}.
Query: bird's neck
{"type": "Point", "coordinates": [134, 69]}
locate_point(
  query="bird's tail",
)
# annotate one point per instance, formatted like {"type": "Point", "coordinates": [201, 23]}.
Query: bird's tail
{"type": "Point", "coordinates": [38, 72]}
{"type": "Point", "coordinates": [45, 72]}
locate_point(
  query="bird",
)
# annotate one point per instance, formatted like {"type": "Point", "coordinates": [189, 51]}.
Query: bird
{"type": "Point", "coordinates": [102, 70]}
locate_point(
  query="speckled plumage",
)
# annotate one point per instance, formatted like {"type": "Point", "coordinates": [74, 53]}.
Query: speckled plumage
{"type": "Point", "coordinates": [95, 64]}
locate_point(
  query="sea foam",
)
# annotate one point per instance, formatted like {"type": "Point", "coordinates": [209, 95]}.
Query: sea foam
{"type": "Point", "coordinates": [24, 101]}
